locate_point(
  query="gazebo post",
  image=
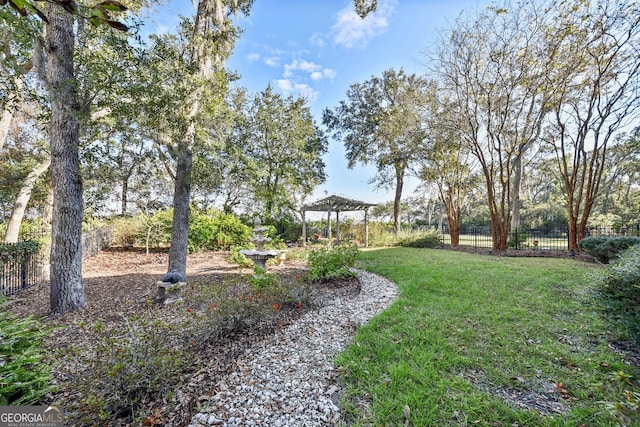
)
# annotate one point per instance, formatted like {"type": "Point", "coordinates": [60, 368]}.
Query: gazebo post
{"type": "Point", "coordinates": [366, 227]}
{"type": "Point", "coordinates": [337, 204]}
{"type": "Point", "coordinates": [304, 228]}
{"type": "Point", "coordinates": [329, 224]}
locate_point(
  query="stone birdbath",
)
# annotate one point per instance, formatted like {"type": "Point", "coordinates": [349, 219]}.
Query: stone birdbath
{"type": "Point", "coordinates": [169, 287]}
{"type": "Point", "coordinates": [259, 255]}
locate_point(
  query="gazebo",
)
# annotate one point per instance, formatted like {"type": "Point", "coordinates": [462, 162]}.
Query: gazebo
{"type": "Point", "coordinates": [336, 204]}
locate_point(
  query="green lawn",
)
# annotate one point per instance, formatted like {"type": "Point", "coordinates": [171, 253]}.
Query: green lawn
{"type": "Point", "coordinates": [475, 340]}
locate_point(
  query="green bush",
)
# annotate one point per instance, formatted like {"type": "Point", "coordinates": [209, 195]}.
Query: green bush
{"type": "Point", "coordinates": [261, 279]}
{"type": "Point", "coordinates": [622, 277]}
{"type": "Point", "coordinates": [326, 264]}
{"type": "Point", "coordinates": [126, 230]}
{"type": "Point", "coordinates": [517, 239]}
{"type": "Point", "coordinates": [236, 257]}
{"type": "Point", "coordinates": [129, 369]}
{"type": "Point", "coordinates": [430, 239]}
{"type": "Point", "coordinates": [24, 376]}
{"type": "Point", "coordinates": [211, 229]}
{"type": "Point", "coordinates": [216, 230]}
{"type": "Point", "coordinates": [19, 251]}
{"type": "Point", "coordinates": [604, 248]}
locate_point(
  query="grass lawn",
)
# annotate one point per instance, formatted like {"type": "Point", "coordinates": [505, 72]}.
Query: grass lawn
{"type": "Point", "coordinates": [489, 341]}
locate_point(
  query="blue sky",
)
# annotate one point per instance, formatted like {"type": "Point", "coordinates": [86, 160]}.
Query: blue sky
{"type": "Point", "coordinates": [318, 48]}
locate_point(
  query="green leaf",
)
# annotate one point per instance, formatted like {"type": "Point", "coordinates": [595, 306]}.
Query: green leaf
{"type": "Point", "coordinates": [19, 6]}
{"type": "Point", "coordinates": [112, 5]}
{"type": "Point", "coordinates": [116, 25]}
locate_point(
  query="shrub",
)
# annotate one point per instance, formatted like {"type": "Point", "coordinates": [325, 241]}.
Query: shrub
{"type": "Point", "coordinates": [216, 230]}
{"type": "Point", "coordinates": [622, 278]}
{"type": "Point", "coordinates": [237, 258]}
{"type": "Point", "coordinates": [207, 230]}
{"type": "Point", "coordinates": [24, 376]}
{"type": "Point", "coordinates": [261, 279]}
{"type": "Point", "coordinates": [604, 249]}
{"type": "Point", "coordinates": [130, 368]}
{"type": "Point", "coordinates": [326, 264]}
{"type": "Point", "coordinates": [430, 239]}
{"type": "Point", "coordinates": [517, 239]}
{"type": "Point", "coordinates": [17, 252]}
{"type": "Point", "coordinates": [126, 230]}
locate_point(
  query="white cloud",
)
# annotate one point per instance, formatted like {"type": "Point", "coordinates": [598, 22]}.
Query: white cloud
{"type": "Point", "coordinates": [315, 71]}
{"type": "Point", "coordinates": [300, 65]}
{"type": "Point", "coordinates": [317, 39]}
{"type": "Point", "coordinates": [350, 30]}
{"type": "Point", "coordinates": [284, 85]}
{"type": "Point", "coordinates": [272, 61]}
{"type": "Point", "coordinates": [253, 57]}
{"type": "Point", "coordinates": [329, 73]}
{"type": "Point", "coordinates": [289, 88]}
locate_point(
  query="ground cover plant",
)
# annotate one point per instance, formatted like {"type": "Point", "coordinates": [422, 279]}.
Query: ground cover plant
{"type": "Point", "coordinates": [483, 340]}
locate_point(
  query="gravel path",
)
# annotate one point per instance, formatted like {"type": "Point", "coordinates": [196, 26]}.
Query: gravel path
{"type": "Point", "coordinates": [289, 379]}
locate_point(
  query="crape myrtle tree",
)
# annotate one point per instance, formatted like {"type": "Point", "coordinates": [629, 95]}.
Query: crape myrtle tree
{"type": "Point", "coordinates": [491, 65]}
{"type": "Point", "coordinates": [595, 93]}
{"type": "Point", "coordinates": [448, 163]}
{"type": "Point", "coordinates": [381, 123]}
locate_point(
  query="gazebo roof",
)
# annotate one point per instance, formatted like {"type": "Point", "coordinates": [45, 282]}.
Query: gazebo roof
{"type": "Point", "coordinates": [338, 204]}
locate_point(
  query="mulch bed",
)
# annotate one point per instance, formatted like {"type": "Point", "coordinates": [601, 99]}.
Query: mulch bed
{"type": "Point", "coordinates": [121, 284]}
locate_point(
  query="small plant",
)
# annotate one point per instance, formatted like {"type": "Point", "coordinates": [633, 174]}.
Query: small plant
{"type": "Point", "coordinates": [326, 264]}
{"type": "Point", "coordinates": [517, 239]}
{"type": "Point", "coordinates": [129, 368]}
{"type": "Point", "coordinates": [236, 257]}
{"type": "Point", "coordinates": [24, 376]}
{"type": "Point", "coordinates": [261, 279]}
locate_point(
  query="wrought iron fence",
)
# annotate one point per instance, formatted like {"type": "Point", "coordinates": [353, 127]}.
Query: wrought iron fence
{"type": "Point", "coordinates": [17, 274]}
{"type": "Point", "coordinates": [533, 238]}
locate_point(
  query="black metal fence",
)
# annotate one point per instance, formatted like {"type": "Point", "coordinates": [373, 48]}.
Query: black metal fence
{"type": "Point", "coordinates": [17, 274]}
{"type": "Point", "coordinates": [532, 238]}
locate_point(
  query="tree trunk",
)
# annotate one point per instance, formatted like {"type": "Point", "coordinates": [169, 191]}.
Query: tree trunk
{"type": "Point", "coordinates": [13, 228]}
{"type": "Point", "coordinates": [515, 192]}
{"type": "Point", "coordinates": [398, 197]}
{"type": "Point", "coordinates": [125, 190]}
{"type": "Point", "coordinates": [181, 197]}
{"type": "Point", "coordinates": [67, 290]}
{"type": "Point", "coordinates": [5, 124]}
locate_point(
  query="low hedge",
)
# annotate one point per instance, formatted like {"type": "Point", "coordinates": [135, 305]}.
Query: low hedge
{"type": "Point", "coordinates": [605, 248]}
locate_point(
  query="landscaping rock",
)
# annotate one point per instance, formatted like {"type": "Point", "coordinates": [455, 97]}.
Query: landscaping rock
{"type": "Point", "coordinates": [288, 379]}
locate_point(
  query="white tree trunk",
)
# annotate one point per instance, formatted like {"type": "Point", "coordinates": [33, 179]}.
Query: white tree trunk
{"type": "Point", "coordinates": [5, 123]}
{"type": "Point", "coordinates": [13, 228]}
